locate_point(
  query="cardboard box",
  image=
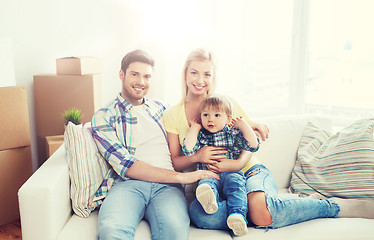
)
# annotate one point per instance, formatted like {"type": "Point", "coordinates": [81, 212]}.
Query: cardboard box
{"type": "Point", "coordinates": [78, 65]}
{"type": "Point", "coordinates": [54, 94]}
{"type": "Point", "coordinates": [15, 169]}
{"type": "Point", "coordinates": [53, 143]}
{"type": "Point", "coordinates": [47, 146]}
{"type": "Point", "coordinates": [14, 118]}
{"type": "Point", "coordinates": [42, 150]}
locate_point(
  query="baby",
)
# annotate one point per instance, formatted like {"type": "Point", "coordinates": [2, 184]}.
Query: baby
{"type": "Point", "coordinates": [213, 129]}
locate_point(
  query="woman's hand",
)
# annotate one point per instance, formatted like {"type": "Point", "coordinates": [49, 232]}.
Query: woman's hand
{"type": "Point", "coordinates": [261, 130]}
{"type": "Point", "coordinates": [224, 165]}
{"type": "Point", "coordinates": [210, 155]}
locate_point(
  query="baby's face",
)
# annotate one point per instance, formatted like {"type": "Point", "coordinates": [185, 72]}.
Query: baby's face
{"type": "Point", "coordinates": [214, 120]}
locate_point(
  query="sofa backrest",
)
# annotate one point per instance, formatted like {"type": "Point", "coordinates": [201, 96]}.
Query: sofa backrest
{"type": "Point", "coordinates": [279, 151]}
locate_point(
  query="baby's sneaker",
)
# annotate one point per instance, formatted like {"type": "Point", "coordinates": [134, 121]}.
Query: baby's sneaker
{"type": "Point", "coordinates": [207, 198]}
{"type": "Point", "coordinates": [238, 224]}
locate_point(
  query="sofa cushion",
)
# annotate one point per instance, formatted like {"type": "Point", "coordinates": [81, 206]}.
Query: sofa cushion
{"type": "Point", "coordinates": [86, 228]}
{"type": "Point", "coordinates": [86, 167]}
{"type": "Point", "coordinates": [339, 165]}
{"type": "Point", "coordinates": [279, 151]}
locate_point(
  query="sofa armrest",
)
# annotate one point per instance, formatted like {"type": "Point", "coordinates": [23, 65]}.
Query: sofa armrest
{"type": "Point", "coordinates": [44, 199]}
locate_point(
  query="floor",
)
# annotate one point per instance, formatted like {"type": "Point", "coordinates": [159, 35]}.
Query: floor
{"type": "Point", "coordinates": [11, 231]}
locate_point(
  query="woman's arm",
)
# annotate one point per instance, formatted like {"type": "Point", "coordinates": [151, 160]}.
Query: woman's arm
{"type": "Point", "coordinates": [192, 134]}
{"type": "Point", "coordinates": [180, 162]}
{"type": "Point", "coordinates": [260, 129]}
{"type": "Point", "coordinates": [208, 155]}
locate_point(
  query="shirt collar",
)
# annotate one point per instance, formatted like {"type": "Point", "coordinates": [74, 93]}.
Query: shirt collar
{"type": "Point", "coordinates": [128, 106]}
{"type": "Point", "coordinates": [225, 129]}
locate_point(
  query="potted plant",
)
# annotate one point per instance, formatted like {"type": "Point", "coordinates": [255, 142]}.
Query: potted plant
{"type": "Point", "coordinates": [73, 115]}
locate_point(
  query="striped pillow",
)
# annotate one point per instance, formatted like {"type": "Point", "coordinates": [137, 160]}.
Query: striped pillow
{"type": "Point", "coordinates": [339, 165]}
{"type": "Point", "coordinates": [87, 167]}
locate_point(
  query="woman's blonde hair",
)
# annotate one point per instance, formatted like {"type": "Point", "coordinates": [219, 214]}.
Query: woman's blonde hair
{"type": "Point", "coordinates": [199, 54]}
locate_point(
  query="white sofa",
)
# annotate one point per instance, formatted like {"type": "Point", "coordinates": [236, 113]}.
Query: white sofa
{"type": "Point", "coordinates": [46, 211]}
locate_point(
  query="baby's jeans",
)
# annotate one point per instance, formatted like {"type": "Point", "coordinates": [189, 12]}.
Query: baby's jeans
{"type": "Point", "coordinates": [230, 186]}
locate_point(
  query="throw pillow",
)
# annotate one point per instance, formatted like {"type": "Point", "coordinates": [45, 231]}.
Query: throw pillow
{"type": "Point", "coordinates": [87, 168]}
{"type": "Point", "coordinates": [340, 165]}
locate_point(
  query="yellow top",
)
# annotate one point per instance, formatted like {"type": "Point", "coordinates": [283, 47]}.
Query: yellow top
{"type": "Point", "coordinates": [175, 121]}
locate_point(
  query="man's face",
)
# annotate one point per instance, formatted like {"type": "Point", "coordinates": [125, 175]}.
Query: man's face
{"type": "Point", "coordinates": [136, 82]}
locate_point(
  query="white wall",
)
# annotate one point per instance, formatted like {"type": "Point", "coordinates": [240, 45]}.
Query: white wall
{"type": "Point", "coordinates": [43, 30]}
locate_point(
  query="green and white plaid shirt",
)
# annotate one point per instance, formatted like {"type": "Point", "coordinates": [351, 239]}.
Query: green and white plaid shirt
{"type": "Point", "coordinates": [229, 137]}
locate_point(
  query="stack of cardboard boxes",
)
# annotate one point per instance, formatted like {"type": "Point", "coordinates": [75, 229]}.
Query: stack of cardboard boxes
{"type": "Point", "coordinates": [76, 84]}
{"type": "Point", "coordinates": [15, 150]}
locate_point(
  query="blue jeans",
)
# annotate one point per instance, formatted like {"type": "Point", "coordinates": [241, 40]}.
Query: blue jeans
{"type": "Point", "coordinates": [284, 211]}
{"type": "Point", "coordinates": [163, 205]}
{"type": "Point", "coordinates": [230, 186]}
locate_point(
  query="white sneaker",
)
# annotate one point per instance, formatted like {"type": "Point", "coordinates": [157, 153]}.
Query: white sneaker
{"type": "Point", "coordinates": [237, 224]}
{"type": "Point", "coordinates": [207, 198]}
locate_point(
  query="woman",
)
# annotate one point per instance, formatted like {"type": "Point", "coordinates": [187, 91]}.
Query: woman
{"type": "Point", "coordinates": [265, 208]}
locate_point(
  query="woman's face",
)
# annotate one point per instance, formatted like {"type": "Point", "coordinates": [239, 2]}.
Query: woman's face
{"type": "Point", "coordinates": [199, 77]}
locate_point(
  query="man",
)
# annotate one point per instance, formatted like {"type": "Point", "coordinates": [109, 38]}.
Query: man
{"type": "Point", "coordinates": [142, 182]}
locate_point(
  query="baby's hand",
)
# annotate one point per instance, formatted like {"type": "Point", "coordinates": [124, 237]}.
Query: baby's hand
{"type": "Point", "coordinates": [195, 124]}
{"type": "Point", "coordinates": [239, 123]}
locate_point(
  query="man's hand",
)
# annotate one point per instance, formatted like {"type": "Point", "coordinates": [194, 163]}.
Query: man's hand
{"type": "Point", "coordinates": [210, 155]}
{"type": "Point", "coordinates": [191, 177]}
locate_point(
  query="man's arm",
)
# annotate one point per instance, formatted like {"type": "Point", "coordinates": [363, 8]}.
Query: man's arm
{"type": "Point", "coordinates": [109, 145]}
{"type": "Point", "coordinates": [145, 172]}
{"type": "Point", "coordinates": [128, 166]}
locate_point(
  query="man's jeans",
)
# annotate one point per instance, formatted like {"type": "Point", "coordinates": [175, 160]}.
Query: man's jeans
{"type": "Point", "coordinates": [284, 211]}
{"type": "Point", "coordinates": [230, 186]}
{"type": "Point", "coordinates": [163, 205]}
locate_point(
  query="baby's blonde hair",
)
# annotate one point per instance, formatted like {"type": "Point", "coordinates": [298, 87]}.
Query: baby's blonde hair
{"type": "Point", "coordinates": [217, 102]}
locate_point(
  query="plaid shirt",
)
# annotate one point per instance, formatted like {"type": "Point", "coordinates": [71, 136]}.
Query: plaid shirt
{"type": "Point", "coordinates": [114, 130]}
{"type": "Point", "coordinates": [230, 138]}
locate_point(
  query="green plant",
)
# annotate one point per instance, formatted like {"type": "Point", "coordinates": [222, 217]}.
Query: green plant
{"type": "Point", "coordinates": [73, 115]}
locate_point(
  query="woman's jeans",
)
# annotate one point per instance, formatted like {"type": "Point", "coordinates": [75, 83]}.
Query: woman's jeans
{"type": "Point", "coordinates": [284, 211]}
{"type": "Point", "coordinates": [163, 205]}
{"type": "Point", "coordinates": [231, 186]}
